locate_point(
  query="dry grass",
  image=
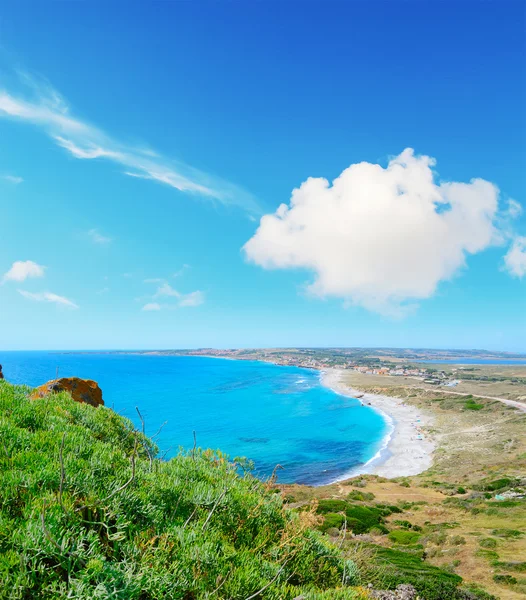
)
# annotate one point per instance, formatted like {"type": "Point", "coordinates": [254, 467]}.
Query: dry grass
{"type": "Point", "coordinates": [431, 510]}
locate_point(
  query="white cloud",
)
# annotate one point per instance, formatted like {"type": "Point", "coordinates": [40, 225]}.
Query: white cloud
{"type": "Point", "coordinates": [192, 299]}
{"type": "Point", "coordinates": [22, 270]}
{"type": "Point", "coordinates": [103, 291]}
{"type": "Point", "coordinates": [195, 298]}
{"type": "Point", "coordinates": [151, 306]}
{"type": "Point", "coordinates": [48, 297]}
{"type": "Point", "coordinates": [181, 270]}
{"type": "Point", "coordinates": [48, 110]}
{"type": "Point", "coordinates": [98, 238]}
{"type": "Point", "coordinates": [379, 237]}
{"type": "Point", "coordinates": [12, 179]}
{"type": "Point", "coordinates": [167, 290]}
{"type": "Point", "coordinates": [515, 259]}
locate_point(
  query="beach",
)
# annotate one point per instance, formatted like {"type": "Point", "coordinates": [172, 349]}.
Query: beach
{"type": "Point", "coordinates": [407, 449]}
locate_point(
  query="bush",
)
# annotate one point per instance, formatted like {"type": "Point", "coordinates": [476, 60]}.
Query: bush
{"type": "Point", "coordinates": [87, 511]}
{"type": "Point", "coordinates": [360, 496]}
{"type": "Point", "coordinates": [497, 484]}
{"type": "Point", "coordinates": [331, 506]}
{"type": "Point", "coordinates": [457, 540]}
{"type": "Point", "coordinates": [488, 543]}
{"type": "Point", "coordinates": [507, 533]}
{"type": "Point", "coordinates": [362, 518]}
{"type": "Point", "coordinates": [393, 567]}
{"type": "Point", "coordinates": [504, 579]}
{"type": "Point", "coordinates": [472, 405]}
{"type": "Point", "coordinates": [332, 520]}
{"type": "Point", "coordinates": [403, 537]}
{"type": "Point", "coordinates": [511, 566]}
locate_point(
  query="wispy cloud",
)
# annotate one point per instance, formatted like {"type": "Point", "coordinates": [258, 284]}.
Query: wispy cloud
{"type": "Point", "coordinates": [151, 306]}
{"type": "Point", "coordinates": [97, 238]}
{"type": "Point", "coordinates": [48, 110]}
{"type": "Point", "coordinates": [192, 299]}
{"type": "Point", "coordinates": [23, 269]}
{"type": "Point", "coordinates": [181, 270]}
{"type": "Point", "coordinates": [178, 299]}
{"type": "Point", "coordinates": [12, 179]}
{"type": "Point", "coordinates": [515, 259]}
{"type": "Point", "coordinates": [48, 297]}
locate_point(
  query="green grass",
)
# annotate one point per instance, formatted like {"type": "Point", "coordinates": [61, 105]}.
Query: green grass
{"type": "Point", "coordinates": [87, 511]}
{"type": "Point", "coordinates": [403, 537]}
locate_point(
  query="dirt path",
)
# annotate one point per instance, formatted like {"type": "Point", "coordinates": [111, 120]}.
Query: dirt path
{"type": "Point", "coordinates": [520, 405]}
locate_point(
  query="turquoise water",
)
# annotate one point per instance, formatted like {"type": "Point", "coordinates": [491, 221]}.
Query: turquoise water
{"type": "Point", "coordinates": [270, 414]}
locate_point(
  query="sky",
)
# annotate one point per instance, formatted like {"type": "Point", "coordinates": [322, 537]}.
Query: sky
{"type": "Point", "coordinates": [262, 174]}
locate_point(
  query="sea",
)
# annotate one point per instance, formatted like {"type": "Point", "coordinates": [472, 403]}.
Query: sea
{"type": "Point", "coordinates": [272, 415]}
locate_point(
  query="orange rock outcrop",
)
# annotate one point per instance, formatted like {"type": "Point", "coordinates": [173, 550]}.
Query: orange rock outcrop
{"type": "Point", "coordinates": [81, 390]}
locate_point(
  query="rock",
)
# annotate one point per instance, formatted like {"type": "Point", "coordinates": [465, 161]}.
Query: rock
{"type": "Point", "coordinates": [402, 592]}
{"type": "Point", "coordinates": [1, 374]}
{"type": "Point", "coordinates": [81, 390]}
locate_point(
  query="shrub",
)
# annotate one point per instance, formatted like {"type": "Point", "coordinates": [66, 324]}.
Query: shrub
{"type": "Point", "coordinates": [331, 506]}
{"type": "Point", "coordinates": [472, 405]}
{"type": "Point", "coordinates": [507, 533]}
{"type": "Point", "coordinates": [393, 567]}
{"type": "Point", "coordinates": [457, 540]}
{"type": "Point", "coordinates": [403, 524]}
{"type": "Point", "coordinates": [511, 566]}
{"type": "Point", "coordinates": [88, 511]}
{"type": "Point", "coordinates": [439, 538]}
{"type": "Point", "coordinates": [363, 518]}
{"type": "Point", "coordinates": [403, 537]}
{"type": "Point", "coordinates": [332, 520]}
{"type": "Point", "coordinates": [504, 579]}
{"type": "Point", "coordinates": [360, 496]}
{"type": "Point", "coordinates": [488, 543]}
{"type": "Point", "coordinates": [497, 484]}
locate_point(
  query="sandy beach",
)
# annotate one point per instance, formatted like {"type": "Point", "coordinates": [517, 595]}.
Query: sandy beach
{"type": "Point", "coordinates": [408, 449]}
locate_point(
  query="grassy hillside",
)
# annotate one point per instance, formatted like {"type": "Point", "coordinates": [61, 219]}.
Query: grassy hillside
{"type": "Point", "coordinates": [88, 511]}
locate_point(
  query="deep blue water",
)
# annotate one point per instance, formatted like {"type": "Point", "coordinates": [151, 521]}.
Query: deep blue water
{"type": "Point", "coordinates": [270, 414]}
{"type": "Point", "coordinates": [476, 361]}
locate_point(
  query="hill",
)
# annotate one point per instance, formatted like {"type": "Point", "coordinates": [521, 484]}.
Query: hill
{"type": "Point", "coordinates": [88, 510]}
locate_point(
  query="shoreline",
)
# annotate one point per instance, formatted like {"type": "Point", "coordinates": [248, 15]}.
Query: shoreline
{"type": "Point", "coordinates": [406, 450]}
{"type": "Point", "coordinates": [401, 453]}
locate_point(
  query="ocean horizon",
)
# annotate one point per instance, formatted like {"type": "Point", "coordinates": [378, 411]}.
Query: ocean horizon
{"type": "Point", "coordinates": [270, 414]}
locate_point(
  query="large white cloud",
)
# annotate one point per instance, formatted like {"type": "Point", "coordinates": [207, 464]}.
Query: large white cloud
{"type": "Point", "coordinates": [379, 237]}
{"type": "Point", "coordinates": [23, 269]}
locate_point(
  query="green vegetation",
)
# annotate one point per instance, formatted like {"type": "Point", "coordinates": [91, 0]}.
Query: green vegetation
{"type": "Point", "coordinates": [404, 537]}
{"type": "Point", "coordinates": [393, 567]}
{"type": "Point", "coordinates": [472, 405]}
{"type": "Point", "coordinates": [504, 579]}
{"type": "Point", "coordinates": [86, 511]}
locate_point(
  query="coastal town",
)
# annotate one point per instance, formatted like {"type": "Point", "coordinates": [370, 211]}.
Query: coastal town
{"type": "Point", "coordinates": [340, 359]}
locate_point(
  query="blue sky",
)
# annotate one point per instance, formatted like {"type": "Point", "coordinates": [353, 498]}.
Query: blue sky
{"type": "Point", "coordinates": [141, 144]}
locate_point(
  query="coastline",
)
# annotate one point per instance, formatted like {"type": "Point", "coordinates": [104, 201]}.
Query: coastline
{"type": "Point", "coordinates": [402, 452]}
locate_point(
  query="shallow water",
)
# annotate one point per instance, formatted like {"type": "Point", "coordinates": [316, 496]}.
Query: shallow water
{"type": "Point", "coordinates": [270, 414]}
